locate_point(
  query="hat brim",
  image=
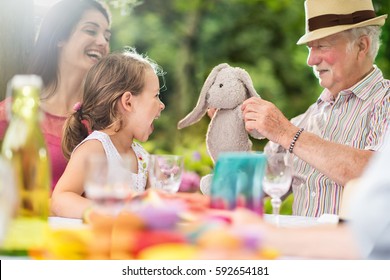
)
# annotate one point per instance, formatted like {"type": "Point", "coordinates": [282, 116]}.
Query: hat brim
{"type": "Point", "coordinates": [324, 32]}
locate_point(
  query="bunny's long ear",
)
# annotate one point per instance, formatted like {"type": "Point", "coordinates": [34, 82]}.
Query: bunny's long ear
{"type": "Point", "coordinates": [201, 107]}
{"type": "Point", "coordinates": [247, 81]}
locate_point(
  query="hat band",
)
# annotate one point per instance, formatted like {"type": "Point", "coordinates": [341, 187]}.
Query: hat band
{"type": "Point", "coordinates": [330, 20]}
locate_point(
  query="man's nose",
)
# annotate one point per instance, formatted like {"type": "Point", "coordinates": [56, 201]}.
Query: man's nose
{"type": "Point", "coordinates": [313, 58]}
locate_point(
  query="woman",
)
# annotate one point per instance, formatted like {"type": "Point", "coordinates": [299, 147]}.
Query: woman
{"type": "Point", "coordinates": [74, 35]}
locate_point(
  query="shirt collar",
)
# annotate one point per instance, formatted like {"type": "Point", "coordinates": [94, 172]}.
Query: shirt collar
{"type": "Point", "coordinates": [361, 89]}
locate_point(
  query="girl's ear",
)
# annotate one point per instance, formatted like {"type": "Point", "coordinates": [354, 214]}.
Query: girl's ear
{"type": "Point", "coordinates": [126, 101]}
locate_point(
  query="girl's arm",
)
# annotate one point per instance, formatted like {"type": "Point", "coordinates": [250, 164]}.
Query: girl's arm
{"type": "Point", "coordinates": [67, 198]}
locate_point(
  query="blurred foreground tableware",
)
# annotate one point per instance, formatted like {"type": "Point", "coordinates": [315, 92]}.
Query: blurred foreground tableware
{"type": "Point", "coordinates": [237, 181]}
{"type": "Point", "coordinates": [154, 228]}
{"type": "Point", "coordinates": [277, 179]}
{"type": "Point", "coordinates": [165, 172]}
{"type": "Point", "coordinates": [7, 197]}
{"type": "Point", "coordinates": [25, 148]}
{"type": "Point", "coordinates": [108, 184]}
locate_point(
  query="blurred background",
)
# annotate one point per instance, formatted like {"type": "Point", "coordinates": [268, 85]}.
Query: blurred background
{"type": "Point", "coordinates": [189, 38]}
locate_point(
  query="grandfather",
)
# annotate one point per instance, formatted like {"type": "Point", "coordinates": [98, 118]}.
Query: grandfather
{"type": "Point", "coordinates": [335, 138]}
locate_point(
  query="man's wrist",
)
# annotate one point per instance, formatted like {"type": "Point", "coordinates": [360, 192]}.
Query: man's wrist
{"type": "Point", "coordinates": [294, 140]}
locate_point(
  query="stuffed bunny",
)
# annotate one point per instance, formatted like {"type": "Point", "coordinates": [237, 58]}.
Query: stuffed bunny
{"type": "Point", "coordinates": [225, 89]}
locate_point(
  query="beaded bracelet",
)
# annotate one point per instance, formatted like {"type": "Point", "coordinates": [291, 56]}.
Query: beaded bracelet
{"type": "Point", "coordinates": [296, 136]}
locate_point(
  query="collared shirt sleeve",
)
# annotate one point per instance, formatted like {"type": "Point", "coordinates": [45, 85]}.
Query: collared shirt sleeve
{"type": "Point", "coordinates": [379, 124]}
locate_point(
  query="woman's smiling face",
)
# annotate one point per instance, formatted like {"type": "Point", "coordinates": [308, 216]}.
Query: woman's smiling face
{"type": "Point", "coordinates": [88, 42]}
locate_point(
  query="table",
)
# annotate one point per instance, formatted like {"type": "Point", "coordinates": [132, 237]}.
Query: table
{"type": "Point", "coordinates": [64, 222]}
{"type": "Point", "coordinates": [285, 221]}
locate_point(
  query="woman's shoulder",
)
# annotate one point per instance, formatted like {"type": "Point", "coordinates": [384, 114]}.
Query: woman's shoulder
{"type": "Point", "coordinates": [3, 109]}
{"type": "Point", "coordinates": [3, 118]}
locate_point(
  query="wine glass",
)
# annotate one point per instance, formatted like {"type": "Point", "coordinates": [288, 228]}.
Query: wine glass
{"type": "Point", "coordinates": [277, 178]}
{"type": "Point", "coordinates": [165, 172]}
{"type": "Point", "coordinates": [109, 185]}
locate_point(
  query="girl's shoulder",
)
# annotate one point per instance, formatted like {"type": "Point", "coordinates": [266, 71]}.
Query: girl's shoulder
{"type": "Point", "coordinates": [140, 151]}
{"type": "Point", "coordinates": [138, 146]}
{"type": "Point", "coordinates": [86, 149]}
{"type": "Point", "coordinates": [93, 142]}
{"type": "Point", "coordinates": [97, 135]}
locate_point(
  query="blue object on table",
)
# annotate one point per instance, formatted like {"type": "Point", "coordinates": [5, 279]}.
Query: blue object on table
{"type": "Point", "coordinates": [237, 181]}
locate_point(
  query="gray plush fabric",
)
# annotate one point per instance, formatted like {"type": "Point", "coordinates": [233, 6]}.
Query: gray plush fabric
{"type": "Point", "coordinates": [225, 89]}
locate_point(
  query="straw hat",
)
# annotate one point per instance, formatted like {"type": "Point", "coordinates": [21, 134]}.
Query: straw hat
{"type": "Point", "coordinates": [328, 17]}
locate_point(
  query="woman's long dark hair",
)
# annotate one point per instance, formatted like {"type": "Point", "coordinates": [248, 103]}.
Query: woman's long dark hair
{"type": "Point", "coordinates": [57, 25]}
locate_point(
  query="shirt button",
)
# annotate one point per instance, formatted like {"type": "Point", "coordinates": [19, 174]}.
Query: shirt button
{"type": "Point", "coordinates": [313, 194]}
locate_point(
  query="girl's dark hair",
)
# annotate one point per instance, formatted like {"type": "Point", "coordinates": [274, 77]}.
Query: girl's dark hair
{"type": "Point", "coordinates": [105, 83]}
{"type": "Point", "coordinates": [57, 26]}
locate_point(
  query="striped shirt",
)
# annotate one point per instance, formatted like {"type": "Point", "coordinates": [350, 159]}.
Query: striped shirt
{"type": "Point", "coordinates": [358, 118]}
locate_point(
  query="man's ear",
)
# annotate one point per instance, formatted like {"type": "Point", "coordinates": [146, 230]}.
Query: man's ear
{"type": "Point", "coordinates": [126, 101]}
{"type": "Point", "coordinates": [364, 44]}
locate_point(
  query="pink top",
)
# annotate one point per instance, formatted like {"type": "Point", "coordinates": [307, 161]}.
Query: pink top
{"type": "Point", "coordinates": [52, 132]}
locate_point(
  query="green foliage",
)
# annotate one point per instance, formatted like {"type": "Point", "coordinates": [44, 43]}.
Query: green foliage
{"type": "Point", "coordinates": [285, 209]}
{"type": "Point", "coordinates": [189, 38]}
{"type": "Point", "coordinates": [194, 151]}
{"type": "Point", "coordinates": [383, 59]}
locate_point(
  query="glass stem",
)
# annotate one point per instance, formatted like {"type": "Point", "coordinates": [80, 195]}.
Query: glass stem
{"type": "Point", "coordinates": [276, 203]}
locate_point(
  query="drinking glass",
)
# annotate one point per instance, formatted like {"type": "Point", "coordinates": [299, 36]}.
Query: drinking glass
{"type": "Point", "coordinates": [277, 179]}
{"type": "Point", "coordinates": [237, 181]}
{"type": "Point", "coordinates": [108, 184]}
{"type": "Point", "coordinates": [165, 172]}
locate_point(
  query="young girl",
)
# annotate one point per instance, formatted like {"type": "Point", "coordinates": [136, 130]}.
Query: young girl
{"type": "Point", "coordinates": [120, 102]}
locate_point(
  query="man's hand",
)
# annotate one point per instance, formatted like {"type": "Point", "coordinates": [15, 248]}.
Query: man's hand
{"type": "Point", "coordinates": [268, 120]}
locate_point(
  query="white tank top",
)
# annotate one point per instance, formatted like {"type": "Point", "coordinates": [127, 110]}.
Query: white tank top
{"type": "Point", "coordinates": [115, 159]}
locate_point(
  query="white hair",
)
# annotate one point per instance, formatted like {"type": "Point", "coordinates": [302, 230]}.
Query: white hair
{"type": "Point", "coordinates": [372, 31]}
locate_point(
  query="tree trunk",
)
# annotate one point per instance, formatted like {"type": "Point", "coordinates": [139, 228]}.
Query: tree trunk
{"type": "Point", "coordinates": [17, 39]}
